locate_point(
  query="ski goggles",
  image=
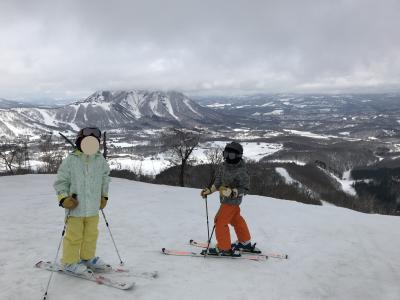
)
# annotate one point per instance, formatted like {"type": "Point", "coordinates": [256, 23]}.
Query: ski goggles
{"type": "Point", "coordinates": [88, 131]}
{"type": "Point", "coordinates": [231, 155]}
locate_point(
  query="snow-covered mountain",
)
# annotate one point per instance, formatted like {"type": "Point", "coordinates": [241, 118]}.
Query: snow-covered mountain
{"type": "Point", "coordinates": [6, 104]}
{"type": "Point", "coordinates": [111, 109]}
{"type": "Point", "coordinates": [108, 110]}
{"type": "Point", "coordinates": [334, 253]}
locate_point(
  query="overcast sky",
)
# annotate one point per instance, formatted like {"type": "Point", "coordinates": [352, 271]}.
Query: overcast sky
{"type": "Point", "coordinates": [68, 49]}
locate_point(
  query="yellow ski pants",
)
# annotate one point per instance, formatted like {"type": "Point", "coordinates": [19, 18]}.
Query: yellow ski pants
{"type": "Point", "coordinates": [80, 239]}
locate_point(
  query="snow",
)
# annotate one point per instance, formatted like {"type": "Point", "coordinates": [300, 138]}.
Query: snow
{"type": "Point", "coordinates": [187, 102]}
{"type": "Point", "coordinates": [326, 203]}
{"type": "Point", "coordinates": [334, 253]}
{"type": "Point", "coordinates": [152, 165]}
{"type": "Point", "coordinates": [347, 183]}
{"type": "Point", "coordinates": [251, 150]}
{"type": "Point", "coordinates": [104, 105]}
{"type": "Point", "coordinates": [285, 175]}
{"type": "Point", "coordinates": [287, 161]}
{"type": "Point", "coordinates": [18, 131]}
{"type": "Point", "coordinates": [47, 118]}
{"type": "Point", "coordinates": [307, 134]}
{"type": "Point", "coordinates": [274, 112]}
{"type": "Point", "coordinates": [267, 104]}
{"type": "Point", "coordinates": [256, 151]}
{"type": "Point", "coordinates": [130, 144]}
{"type": "Point", "coordinates": [396, 147]}
{"type": "Point", "coordinates": [347, 133]}
{"type": "Point", "coordinates": [133, 101]}
{"type": "Point", "coordinates": [153, 106]}
{"type": "Point", "coordinates": [218, 105]}
{"type": "Point", "coordinates": [145, 166]}
{"type": "Point", "coordinates": [170, 109]}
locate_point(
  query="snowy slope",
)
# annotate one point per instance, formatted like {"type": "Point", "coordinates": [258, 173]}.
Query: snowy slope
{"type": "Point", "coordinates": [334, 253]}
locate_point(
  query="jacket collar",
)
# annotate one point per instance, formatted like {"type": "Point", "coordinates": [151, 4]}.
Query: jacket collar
{"type": "Point", "coordinates": [240, 164]}
{"type": "Point", "coordinates": [77, 152]}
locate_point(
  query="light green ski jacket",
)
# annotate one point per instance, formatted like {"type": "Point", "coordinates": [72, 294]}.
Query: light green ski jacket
{"type": "Point", "coordinates": [87, 176]}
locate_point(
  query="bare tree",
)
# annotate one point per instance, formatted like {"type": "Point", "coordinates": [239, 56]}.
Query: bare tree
{"type": "Point", "coordinates": [15, 156]}
{"type": "Point", "coordinates": [50, 153]}
{"type": "Point", "coordinates": [214, 160]}
{"type": "Point", "coordinates": [7, 154]}
{"type": "Point", "coordinates": [180, 143]}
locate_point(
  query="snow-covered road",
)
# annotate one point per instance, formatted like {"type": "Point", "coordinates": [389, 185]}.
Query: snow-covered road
{"type": "Point", "coordinates": [335, 253]}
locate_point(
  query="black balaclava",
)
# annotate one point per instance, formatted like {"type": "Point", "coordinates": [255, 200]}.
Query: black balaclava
{"type": "Point", "coordinates": [235, 148]}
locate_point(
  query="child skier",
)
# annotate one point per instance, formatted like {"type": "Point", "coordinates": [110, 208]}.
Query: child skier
{"type": "Point", "coordinates": [82, 189]}
{"type": "Point", "coordinates": [232, 182]}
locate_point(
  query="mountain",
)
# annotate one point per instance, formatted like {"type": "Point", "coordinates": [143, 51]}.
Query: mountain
{"type": "Point", "coordinates": [346, 115]}
{"type": "Point", "coordinates": [7, 104]}
{"type": "Point", "coordinates": [134, 109]}
{"type": "Point", "coordinates": [137, 108]}
{"type": "Point", "coordinates": [334, 253]}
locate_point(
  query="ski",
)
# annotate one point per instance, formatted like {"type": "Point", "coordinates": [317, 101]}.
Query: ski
{"type": "Point", "coordinates": [128, 272]}
{"type": "Point", "coordinates": [111, 269]}
{"type": "Point", "coordinates": [194, 254]}
{"type": "Point", "coordinates": [140, 274]}
{"type": "Point", "coordinates": [98, 278]}
{"type": "Point", "coordinates": [273, 255]}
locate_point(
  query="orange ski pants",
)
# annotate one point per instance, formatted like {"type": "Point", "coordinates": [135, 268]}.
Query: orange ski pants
{"type": "Point", "coordinates": [230, 214]}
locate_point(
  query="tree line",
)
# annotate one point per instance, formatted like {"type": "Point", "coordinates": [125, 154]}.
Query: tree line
{"type": "Point", "coordinates": [377, 190]}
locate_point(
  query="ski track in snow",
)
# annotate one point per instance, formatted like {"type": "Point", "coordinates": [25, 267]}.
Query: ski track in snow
{"type": "Point", "coordinates": [334, 253]}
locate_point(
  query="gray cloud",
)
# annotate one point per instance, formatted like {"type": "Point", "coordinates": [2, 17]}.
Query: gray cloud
{"type": "Point", "coordinates": [70, 48]}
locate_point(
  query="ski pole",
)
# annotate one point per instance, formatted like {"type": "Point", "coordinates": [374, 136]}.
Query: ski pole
{"type": "Point", "coordinates": [208, 225]}
{"type": "Point", "coordinates": [58, 249]}
{"type": "Point", "coordinates": [209, 241]}
{"type": "Point", "coordinates": [109, 230]}
{"type": "Point", "coordinates": [212, 232]}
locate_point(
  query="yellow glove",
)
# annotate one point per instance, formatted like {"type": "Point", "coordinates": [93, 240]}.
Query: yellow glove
{"type": "Point", "coordinates": [103, 202]}
{"type": "Point", "coordinates": [69, 203]}
{"type": "Point", "coordinates": [207, 191]}
{"type": "Point", "coordinates": [225, 191]}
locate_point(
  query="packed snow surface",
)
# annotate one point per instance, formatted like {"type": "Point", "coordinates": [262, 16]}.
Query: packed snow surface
{"type": "Point", "coordinates": [335, 253]}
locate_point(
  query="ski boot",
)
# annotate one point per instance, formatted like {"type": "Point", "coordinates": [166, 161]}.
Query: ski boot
{"type": "Point", "coordinates": [79, 269]}
{"type": "Point", "coordinates": [96, 264]}
{"type": "Point", "coordinates": [246, 247]}
{"type": "Point", "coordinates": [215, 251]}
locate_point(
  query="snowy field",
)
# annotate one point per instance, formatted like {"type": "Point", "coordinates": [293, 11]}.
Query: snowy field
{"type": "Point", "coordinates": [335, 253]}
{"type": "Point", "coordinates": [153, 165]}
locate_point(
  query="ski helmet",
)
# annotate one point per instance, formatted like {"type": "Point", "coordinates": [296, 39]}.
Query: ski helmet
{"type": "Point", "coordinates": [233, 152]}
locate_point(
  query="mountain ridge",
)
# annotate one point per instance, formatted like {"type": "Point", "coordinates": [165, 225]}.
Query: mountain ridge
{"type": "Point", "coordinates": [124, 109]}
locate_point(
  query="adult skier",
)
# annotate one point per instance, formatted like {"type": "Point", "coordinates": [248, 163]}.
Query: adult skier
{"type": "Point", "coordinates": [232, 182]}
{"type": "Point", "coordinates": [82, 188]}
